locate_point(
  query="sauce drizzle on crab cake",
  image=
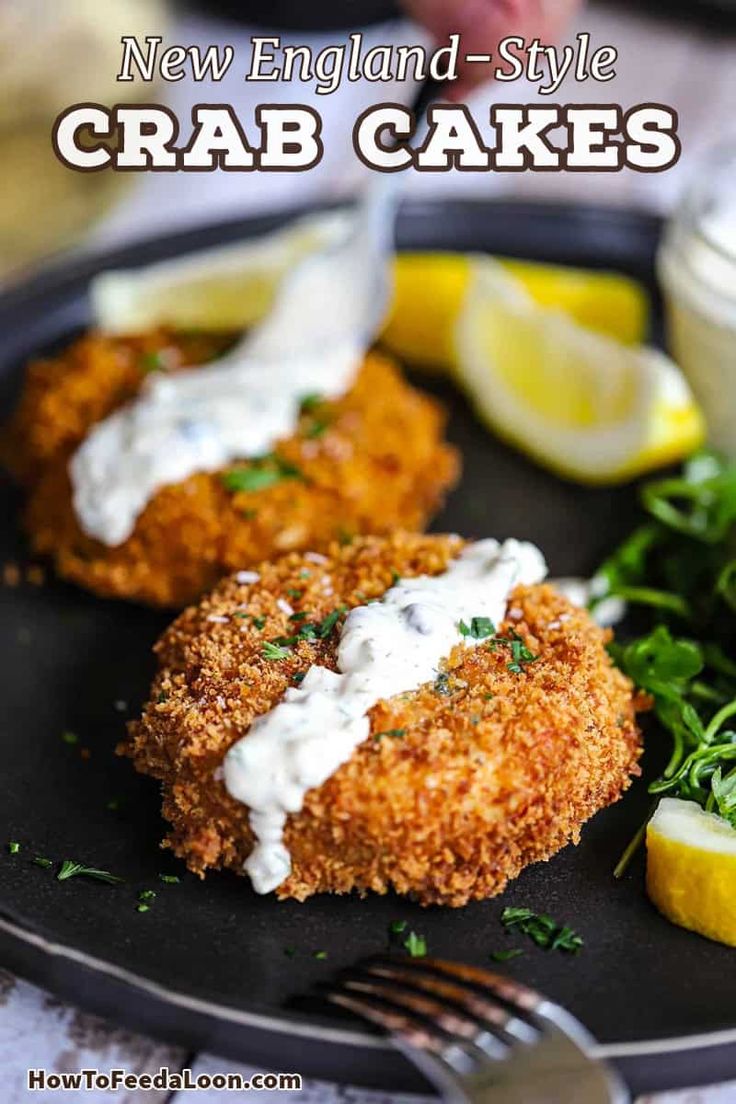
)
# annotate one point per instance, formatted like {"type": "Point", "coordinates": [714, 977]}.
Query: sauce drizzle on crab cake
{"type": "Point", "coordinates": [386, 647]}
{"type": "Point", "coordinates": [495, 761]}
{"type": "Point", "coordinates": [368, 461]}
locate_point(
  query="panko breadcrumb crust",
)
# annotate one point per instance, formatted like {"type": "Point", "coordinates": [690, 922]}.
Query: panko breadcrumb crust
{"type": "Point", "coordinates": [369, 462]}
{"type": "Point", "coordinates": [494, 769]}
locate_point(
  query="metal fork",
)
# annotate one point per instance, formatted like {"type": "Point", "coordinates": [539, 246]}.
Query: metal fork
{"type": "Point", "coordinates": [479, 1036]}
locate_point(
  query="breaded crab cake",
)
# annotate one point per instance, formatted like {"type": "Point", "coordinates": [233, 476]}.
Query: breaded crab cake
{"type": "Point", "coordinates": [366, 462]}
{"type": "Point", "coordinates": [493, 763]}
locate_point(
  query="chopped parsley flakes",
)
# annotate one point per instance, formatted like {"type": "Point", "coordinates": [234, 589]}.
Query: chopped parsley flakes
{"type": "Point", "coordinates": [415, 945]}
{"type": "Point", "coordinates": [151, 362]}
{"type": "Point", "coordinates": [309, 402]}
{"type": "Point", "coordinates": [505, 956]}
{"type": "Point", "coordinates": [394, 733]}
{"type": "Point", "coordinates": [478, 629]}
{"type": "Point", "coordinates": [274, 651]}
{"type": "Point", "coordinates": [317, 427]}
{"type": "Point", "coordinates": [542, 929]}
{"type": "Point", "coordinates": [520, 654]}
{"type": "Point", "coordinates": [310, 630]}
{"type": "Point", "coordinates": [261, 474]}
{"type": "Point", "coordinates": [318, 418]}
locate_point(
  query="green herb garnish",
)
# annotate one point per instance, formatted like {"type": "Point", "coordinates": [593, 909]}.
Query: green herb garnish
{"type": "Point", "coordinates": [396, 927]}
{"type": "Point", "coordinates": [71, 869]}
{"type": "Point", "coordinates": [320, 955]}
{"type": "Point", "coordinates": [310, 630]}
{"type": "Point", "coordinates": [415, 945]}
{"type": "Point", "coordinates": [146, 894]}
{"type": "Point", "coordinates": [394, 733]}
{"type": "Point", "coordinates": [506, 956]}
{"type": "Point", "coordinates": [41, 860]}
{"type": "Point", "coordinates": [316, 427]}
{"type": "Point", "coordinates": [151, 362]}
{"type": "Point", "coordinates": [13, 847]}
{"type": "Point", "coordinates": [274, 651]}
{"type": "Point", "coordinates": [542, 929]}
{"type": "Point", "coordinates": [142, 907]}
{"type": "Point", "coordinates": [478, 629]}
{"type": "Point", "coordinates": [680, 566]}
{"type": "Point", "coordinates": [169, 879]}
{"type": "Point", "coordinates": [520, 654]}
{"type": "Point", "coordinates": [260, 474]}
{"type": "Point", "coordinates": [309, 402]}
{"type": "Point", "coordinates": [70, 738]}
{"type": "Point", "coordinates": [318, 419]}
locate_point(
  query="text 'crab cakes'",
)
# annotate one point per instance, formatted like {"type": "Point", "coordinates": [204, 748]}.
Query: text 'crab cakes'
{"type": "Point", "coordinates": [523, 730]}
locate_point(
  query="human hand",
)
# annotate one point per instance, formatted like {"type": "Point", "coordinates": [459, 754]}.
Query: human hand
{"type": "Point", "coordinates": [483, 23]}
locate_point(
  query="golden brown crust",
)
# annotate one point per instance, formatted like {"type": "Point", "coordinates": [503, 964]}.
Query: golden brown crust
{"type": "Point", "coordinates": [380, 462]}
{"type": "Point", "coordinates": [495, 769]}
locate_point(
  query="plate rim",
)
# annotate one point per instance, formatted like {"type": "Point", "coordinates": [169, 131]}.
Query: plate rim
{"type": "Point", "coordinates": [301, 1025]}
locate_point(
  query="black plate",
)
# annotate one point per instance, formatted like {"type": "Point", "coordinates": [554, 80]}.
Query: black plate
{"type": "Point", "coordinates": [207, 965]}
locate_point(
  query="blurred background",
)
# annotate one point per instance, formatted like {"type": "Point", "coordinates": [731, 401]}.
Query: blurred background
{"type": "Point", "coordinates": [54, 54]}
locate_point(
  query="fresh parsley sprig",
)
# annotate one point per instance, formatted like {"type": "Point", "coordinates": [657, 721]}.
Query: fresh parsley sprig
{"type": "Point", "coordinates": [681, 567]}
{"type": "Point", "coordinates": [69, 869]}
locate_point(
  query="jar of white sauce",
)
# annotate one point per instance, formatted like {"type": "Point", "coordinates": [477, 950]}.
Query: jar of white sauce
{"type": "Point", "coordinates": [697, 269]}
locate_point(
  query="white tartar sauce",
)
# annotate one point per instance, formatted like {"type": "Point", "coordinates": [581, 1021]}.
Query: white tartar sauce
{"type": "Point", "coordinates": [386, 647]}
{"type": "Point", "coordinates": [200, 420]}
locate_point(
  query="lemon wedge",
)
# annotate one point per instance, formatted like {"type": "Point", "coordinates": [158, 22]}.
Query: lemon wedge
{"type": "Point", "coordinates": [591, 408]}
{"type": "Point", "coordinates": [547, 355]}
{"type": "Point", "coordinates": [226, 288]}
{"type": "Point", "coordinates": [430, 291]}
{"type": "Point", "coordinates": [691, 869]}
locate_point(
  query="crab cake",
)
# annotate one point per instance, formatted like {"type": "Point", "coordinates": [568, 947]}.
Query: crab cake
{"type": "Point", "coordinates": [522, 732]}
{"type": "Point", "coordinates": [366, 462]}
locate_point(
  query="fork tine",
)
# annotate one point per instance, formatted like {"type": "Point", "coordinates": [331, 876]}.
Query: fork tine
{"type": "Point", "coordinates": [411, 1032]}
{"type": "Point", "coordinates": [451, 1022]}
{"type": "Point", "coordinates": [391, 1019]}
{"type": "Point", "coordinates": [436, 1011]}
{"type": "Point", "coordinates": [506, 988]}
{"type": "Point", "coordinates": [521, 997]}
{"type": "Point", "coordinates": [483, 1007]}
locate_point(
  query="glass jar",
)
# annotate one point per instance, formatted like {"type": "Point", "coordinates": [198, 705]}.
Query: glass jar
{"type": "Point", "coordinates": [697, 270]}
